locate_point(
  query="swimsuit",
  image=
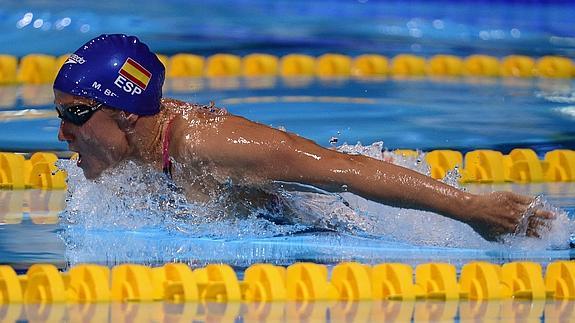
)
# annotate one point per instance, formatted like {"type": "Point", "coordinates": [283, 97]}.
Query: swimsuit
{"type": "Point", "coordinates": [167, 167]}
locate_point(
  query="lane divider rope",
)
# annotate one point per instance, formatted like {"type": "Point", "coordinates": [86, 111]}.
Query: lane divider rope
{"type": "Point", "coordinates": [42, 69]}
{"type": "Point", "coordinates": [348, 281]}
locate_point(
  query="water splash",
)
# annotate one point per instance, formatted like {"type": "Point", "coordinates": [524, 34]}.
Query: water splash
{"type": "Point", "coordinates": [377, 151]}
{"type": "Point", "coordinates": [133, 213]}
{"type": "Point", "coordinates": [426, 228]}
{"type": "Point", "coordinates": [134, 197]}
{"type": "Point", "coordinates": [127, 213]}
{"type": "Point", "coordinates": [555, 233]}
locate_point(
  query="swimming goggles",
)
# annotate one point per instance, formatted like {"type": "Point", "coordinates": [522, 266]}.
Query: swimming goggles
{"type": "Point", "coordinates": [77, 114]}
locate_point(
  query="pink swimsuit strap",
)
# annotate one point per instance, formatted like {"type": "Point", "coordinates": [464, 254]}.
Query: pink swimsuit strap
{"type": "Point", "coordinates": [167, 167]}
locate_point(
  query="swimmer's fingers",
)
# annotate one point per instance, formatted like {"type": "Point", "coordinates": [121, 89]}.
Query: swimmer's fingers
{"type": "Point", "coordinates": [533, 233]}
{"type": "Point", "coordinates": [521, 199]}
{"type": "Point", "coordinates": [544, 214]}
{"type": "Point", "coordinates": [537, 226]}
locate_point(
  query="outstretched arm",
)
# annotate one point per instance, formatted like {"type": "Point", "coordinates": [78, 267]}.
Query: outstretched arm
{"type": "Point", "coordinates": [256, 153]}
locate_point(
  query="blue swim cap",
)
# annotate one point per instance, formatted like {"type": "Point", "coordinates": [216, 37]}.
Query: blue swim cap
{"type": "Point", "coordinates": [116, 70]}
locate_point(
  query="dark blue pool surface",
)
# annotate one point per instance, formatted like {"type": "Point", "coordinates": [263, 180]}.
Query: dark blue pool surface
{"type": "Point", "coordinates": [462, 114]}
{"type": "Point", "coordinates": [351, 27]}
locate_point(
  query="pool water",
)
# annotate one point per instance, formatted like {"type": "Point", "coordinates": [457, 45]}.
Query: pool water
{"type": "Point", "coordinates": [133, 215]}
{"type": "Point", "coordinates": [499, 28]}
{"type": "Point", "coordinates": [232, 242]}
{"type": "Point", "coordinates": [426, 114]}
{"type": "Point", "coordinates": [134, 218]}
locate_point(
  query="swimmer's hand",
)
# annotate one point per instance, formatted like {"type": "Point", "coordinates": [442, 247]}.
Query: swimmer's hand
{"type": "Point", "coordinates": [498, 213]}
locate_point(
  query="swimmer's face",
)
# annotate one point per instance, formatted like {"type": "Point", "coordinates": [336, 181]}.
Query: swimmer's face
{"type": "Point", "coordinates": [99, 142]}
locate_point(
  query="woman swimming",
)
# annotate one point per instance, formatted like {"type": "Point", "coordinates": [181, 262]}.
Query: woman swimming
{"type": "Point", "coordinates": [109, 97]}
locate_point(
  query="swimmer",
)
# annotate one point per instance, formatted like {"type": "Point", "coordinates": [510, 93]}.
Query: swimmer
{"type": "Point", "coordinates": [108, 95]}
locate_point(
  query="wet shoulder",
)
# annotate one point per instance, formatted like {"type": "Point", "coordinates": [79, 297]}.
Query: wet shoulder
{"type": "Point", "coordinates": [193, 125]}
{"type": "Point", "coordinates": [189, 107]}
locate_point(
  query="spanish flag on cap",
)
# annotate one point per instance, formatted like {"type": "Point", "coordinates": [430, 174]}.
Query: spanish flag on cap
{"type": "Point", "coordinates": [135, 73]}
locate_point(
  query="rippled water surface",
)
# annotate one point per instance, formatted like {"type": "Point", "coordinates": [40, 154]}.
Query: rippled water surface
{"type": "Point", "coordinates": [134, 215]}
{"type": "Point", "coordinates": [283, 26]}
{"type": "Point", "coordinates": [458, 113]}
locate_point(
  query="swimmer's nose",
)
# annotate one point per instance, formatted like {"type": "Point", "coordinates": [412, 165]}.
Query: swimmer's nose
{"type": "Point", "coordinates": [64, 133]}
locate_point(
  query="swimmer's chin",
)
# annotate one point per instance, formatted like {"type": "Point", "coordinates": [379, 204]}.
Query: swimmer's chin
{"type": "Point", "coordinates": [91, 174]}
{"type": "Point", "coordinates": [95, 170]}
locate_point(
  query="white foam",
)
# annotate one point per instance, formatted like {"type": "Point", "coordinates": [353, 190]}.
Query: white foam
{"type": "Point", "coordinates": [568, 111]}
{"type": "Point", "coordinates": [564, 96]}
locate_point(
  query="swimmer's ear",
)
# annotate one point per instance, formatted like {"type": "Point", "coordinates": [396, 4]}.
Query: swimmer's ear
{"type": "Point", "coordinates": [127, 121]}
